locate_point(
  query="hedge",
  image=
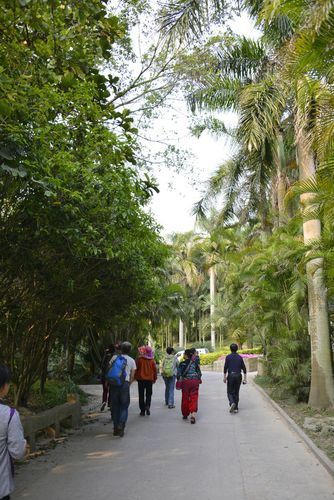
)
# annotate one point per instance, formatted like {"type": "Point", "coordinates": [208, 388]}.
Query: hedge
{"type": "Point", "coordinates": [208, 359]}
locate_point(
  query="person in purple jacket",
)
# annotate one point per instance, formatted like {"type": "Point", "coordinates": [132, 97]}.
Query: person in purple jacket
{"type": "Point", "coordinates": [12, 442]}
{"type": "Point", "coordinates": [234, 365]}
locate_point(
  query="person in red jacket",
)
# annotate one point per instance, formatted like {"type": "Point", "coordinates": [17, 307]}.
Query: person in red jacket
{"type": "Point", "coordinates": [146, 376]}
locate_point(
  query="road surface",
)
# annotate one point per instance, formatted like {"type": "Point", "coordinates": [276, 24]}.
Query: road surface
{"type": "Point", "coordinates": [252, 455]}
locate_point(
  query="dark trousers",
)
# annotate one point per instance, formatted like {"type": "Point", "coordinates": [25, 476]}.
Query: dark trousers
{"type": "Point", "coordinates": [233, 388]}
{"type": "Point", "coordinates": [120, 402]}
{"type": "Point", "coordinates": [105, 389]}
{"type": "Point", "coordinates": [145, 394]}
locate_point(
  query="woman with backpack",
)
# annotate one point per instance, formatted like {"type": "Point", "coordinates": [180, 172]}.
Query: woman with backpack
{"type": "Point", "coordinates": [146, 376]}
{"type": "Point", "coordinates": [168, 372]}
{"type": "Point", "coordinates": [12, 442]}
{"type": "Point", "coordinates": [189, 377]}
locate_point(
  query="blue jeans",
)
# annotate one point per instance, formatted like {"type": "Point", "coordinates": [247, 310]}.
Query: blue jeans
{"type": "Point", "coordinates": [169, 390]}
{"type": "Point", "coordinates": [120, 402]}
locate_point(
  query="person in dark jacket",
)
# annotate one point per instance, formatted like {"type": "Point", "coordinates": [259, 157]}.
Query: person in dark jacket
{"type": "Point", "coordinates": [190, 373]}
{"type": "Point", "coordinates": [234, 365]}
{"type": "Point", "coordinates": [108, 354]}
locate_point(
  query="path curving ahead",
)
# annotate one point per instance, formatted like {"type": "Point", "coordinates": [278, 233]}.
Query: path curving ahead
{"type": "Point", "coordinates": [252, 455]}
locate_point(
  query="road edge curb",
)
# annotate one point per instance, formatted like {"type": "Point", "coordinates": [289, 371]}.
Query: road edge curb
{"type": "Point", "coordinates": [320, 455]}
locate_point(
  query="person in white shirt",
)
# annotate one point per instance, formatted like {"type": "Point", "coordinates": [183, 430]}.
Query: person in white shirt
{"type": "Point", "coordinates": [120, 394]}
{"type": "Point", "coordinates": [12, 442]}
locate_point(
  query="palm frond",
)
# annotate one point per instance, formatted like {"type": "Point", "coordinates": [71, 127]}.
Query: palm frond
{"type": "Point", "coordinates": [217, 94]}
{"type": "Point", "coordinates": [262, 106]}
{"type": "Point", "coordinates": [179, 19]}
{"type": "Point", "coordinates": [242, 58]}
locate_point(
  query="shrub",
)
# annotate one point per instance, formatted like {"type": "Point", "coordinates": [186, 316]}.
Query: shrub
{"type": "Point", "coordinates": [55, 393]}
{"type": "Point", "coordinates": [208, 359]}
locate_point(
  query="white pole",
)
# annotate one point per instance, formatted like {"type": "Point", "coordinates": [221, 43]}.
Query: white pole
{"type": "Point", "coordinates": [212, 305]}
{"type": "Point", "coordinates": [181, 333]}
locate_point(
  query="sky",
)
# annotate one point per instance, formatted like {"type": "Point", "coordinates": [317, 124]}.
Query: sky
{"type": "Point", "coordinates": [172, 206]}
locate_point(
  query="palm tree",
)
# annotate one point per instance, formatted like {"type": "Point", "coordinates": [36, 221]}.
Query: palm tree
{"type": "Point", "coordinates": [186, 272]}
{"type": "Point", "coordinates": [306, 116]}
{"type": "Point", "coordinates": [264, 95]}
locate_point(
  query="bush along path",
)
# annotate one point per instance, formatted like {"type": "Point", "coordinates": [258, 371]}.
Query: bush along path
{"type": "Point", "coordinates": [249, 455]}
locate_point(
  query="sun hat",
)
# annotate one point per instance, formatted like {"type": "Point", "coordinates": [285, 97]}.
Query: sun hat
{"type": "Point", "coordinates": [146, 351]}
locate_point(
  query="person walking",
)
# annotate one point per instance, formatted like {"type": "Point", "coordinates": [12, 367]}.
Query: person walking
{"type": "Point", "coordinates": [108, 354]}
{"type": "Point", "coordinates": [190, 376]}
{"type": "Point", "coordinates": [120, 392]}
{"type": "Point", "coordinates": [12, 442]}
{"type": "Point", "coordinates": [169, 371]}
{"type": "Point", "coordinates": [233, 366]}
{"type": "Point", "coordinates": [146, 376]}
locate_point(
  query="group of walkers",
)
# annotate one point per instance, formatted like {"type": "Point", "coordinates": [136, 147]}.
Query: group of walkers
{"type": "Point", "coordinates": [116, 386]}
{"type": "Point", "coordinates": [185, 376]}
{"type": "Point", "coordinates": [120, 370]}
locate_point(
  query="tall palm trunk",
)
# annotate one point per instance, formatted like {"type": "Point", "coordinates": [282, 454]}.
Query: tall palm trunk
{"type": "Point", "coordinates": [212, 305]}
{"type": "Point", "coordinates": [281, 179]}
{"type": "Point", "coordinates": [181, 333]}
{"type": "Point", "coordinates": [322, 382]}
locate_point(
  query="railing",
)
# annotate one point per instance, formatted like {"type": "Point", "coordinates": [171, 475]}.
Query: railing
{"type": "Point", "coordinates": [51, 418]}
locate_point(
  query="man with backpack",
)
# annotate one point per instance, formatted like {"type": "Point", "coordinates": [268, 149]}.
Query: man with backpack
{"type": "Point", "coordinates": [120, 376]}
{"type": "Point", "coordinates": [168, 372]}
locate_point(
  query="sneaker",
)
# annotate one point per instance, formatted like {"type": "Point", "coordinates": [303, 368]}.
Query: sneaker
{"type": "Point", "coordinates": [185, 418]}
{"type": "Point", "coordinates": [236, 410]}
{"type": "Point", "coordinates": [232, 407]}
{"type": "Point", "coordinates": [171, 406]}
{"type": "Point", "coordinates": [115, 433]}
{"type": "Point", "coordinates": [142, 414]}
{"type": "Point", "coordinates": [121, 432]}
{"type": "Point", "coordinates": [103, 406]}
{"type": "Point", "coordinates": [148, 411]}
{"type": "Point", "coordinates": [192, 420]}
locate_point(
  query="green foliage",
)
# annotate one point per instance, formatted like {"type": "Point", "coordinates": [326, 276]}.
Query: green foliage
{"type": "Point", "coordinates": [55, 393]}
{"type": "Point", "coordinates": [79, 252]}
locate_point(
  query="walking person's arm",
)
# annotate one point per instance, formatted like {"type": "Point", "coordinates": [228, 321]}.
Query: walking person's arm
{"type": "Point", "coordinates": [133, 371]}
{"type": "Point", "coordinates": [179, 371]}
{"type": "Point", "coordinates": [155, 371]}
{"type": "Point", "coordinates": [15, 442]}
{"type": "Point", "coordinates": [225, 369]}
{"type": "Point", "coordinates": [243, 368]}
{"type": "Point", "coordinates": [132, 375]}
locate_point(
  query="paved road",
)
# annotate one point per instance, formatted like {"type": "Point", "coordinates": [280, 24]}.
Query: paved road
{"type": "Point", "coordinates": [252, 455]}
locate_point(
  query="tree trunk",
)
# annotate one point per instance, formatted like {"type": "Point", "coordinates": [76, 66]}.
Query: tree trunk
{"type": "Point", "coordinates": [281, 179]}
{"type": "Point", "coordinates": [181, 333]}
{"type": "Point", "coordinates": [322, 382]}
{"type": "Point", "coordinates": [212, 305]}
{"type": "Point", "coordinates": [71, 358]}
